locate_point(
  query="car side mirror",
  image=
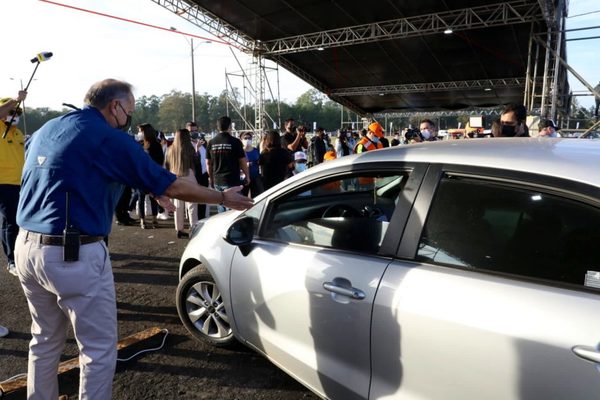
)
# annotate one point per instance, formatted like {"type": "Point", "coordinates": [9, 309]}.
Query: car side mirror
{"type": "Point", "coordinates": [241, 232]}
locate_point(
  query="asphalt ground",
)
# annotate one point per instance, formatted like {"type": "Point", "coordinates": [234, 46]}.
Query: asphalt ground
{"type": "Point", "coordinates": [145, 264]}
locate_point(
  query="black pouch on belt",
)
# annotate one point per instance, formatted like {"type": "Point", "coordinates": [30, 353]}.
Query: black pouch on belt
{"type": "Point", "coordinates": [71, 243]}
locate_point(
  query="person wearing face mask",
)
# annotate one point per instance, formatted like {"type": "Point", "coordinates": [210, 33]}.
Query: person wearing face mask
{"type": "Point", "coordinates": [342, 148]}
{"type": "Point", "coordinates": [371, 140]}
{"type": "Point", "coordinates": [252, 155]}
{"type": "Point", "coordinates": [512, 121]}
{"type": "Point", "coordinates": [299, 162]}
{"type": "Point", "coordinates": [12, 157]}
{"type": "Point", "coordinates": [428, 131]}
{"type": "Point", "coordinates": [75, 169]}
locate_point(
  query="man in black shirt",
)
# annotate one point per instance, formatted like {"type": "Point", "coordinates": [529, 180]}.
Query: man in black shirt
{"type": "Point", "coordinates": [294, 141]}
{"type": "Point", "coordinates": [225, 157]}
{"type": "Point", "coordinates": [317, 147]}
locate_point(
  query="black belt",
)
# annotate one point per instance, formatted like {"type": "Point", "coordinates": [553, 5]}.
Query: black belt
{"type": "Point", "coordinates": [56, 240]}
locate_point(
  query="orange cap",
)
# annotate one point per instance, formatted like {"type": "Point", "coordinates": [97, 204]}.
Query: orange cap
{"type": "Point", "coordinates": [376, 128]}
{"type": "Point", "coordinates": [330, 155]}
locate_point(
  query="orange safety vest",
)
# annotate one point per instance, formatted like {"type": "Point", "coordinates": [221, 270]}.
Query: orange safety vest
{"type": "Point", "coordinates": [367, 145]}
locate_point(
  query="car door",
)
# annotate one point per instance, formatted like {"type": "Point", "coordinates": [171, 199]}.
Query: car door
{"type": "Point", "coordinates": [502, 300]}
{"type": "Point", "coordinates": [303, 295]}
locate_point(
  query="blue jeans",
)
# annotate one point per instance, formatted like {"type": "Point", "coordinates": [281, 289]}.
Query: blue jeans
{"type": "Point", "coordinates": [9, 199]}
{"type": "Point", "coordinates": [221, 188]}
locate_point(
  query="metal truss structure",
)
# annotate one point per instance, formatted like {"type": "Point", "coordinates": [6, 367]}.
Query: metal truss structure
{"type": "Point", "coordinates": [513, 12]}
{"type": "Point", "coordinates": [544, 87]}
{"type": "Point", "coordinates": [429, 87]}
{"type": "Point", "coordinates": [208, 22]}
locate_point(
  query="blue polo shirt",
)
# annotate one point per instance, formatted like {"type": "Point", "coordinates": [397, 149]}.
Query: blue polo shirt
{"type": "Point", "coordinates": [81, 154]}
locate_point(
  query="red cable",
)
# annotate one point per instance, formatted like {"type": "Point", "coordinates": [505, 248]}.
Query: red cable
{"type": "Point", "coordinates": [139, 23]}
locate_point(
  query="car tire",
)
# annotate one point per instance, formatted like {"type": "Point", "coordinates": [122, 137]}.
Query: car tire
{"type": "Point", "coordinates": [201, 309]}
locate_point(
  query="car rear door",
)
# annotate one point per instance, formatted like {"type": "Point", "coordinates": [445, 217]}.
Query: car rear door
{"type": "Point", "coordinates": [502, 299]}
{"type": "Point", "coordinates": [303, 295]}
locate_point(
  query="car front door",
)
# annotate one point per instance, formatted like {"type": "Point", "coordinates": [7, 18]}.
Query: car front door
{"type": "Point", "coordinates": [303, 295]}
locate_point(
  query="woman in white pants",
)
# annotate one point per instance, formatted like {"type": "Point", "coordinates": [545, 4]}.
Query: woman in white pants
{"type": "Point", "coordinates": [183, 161]}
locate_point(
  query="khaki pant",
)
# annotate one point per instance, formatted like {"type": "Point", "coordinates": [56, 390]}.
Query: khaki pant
{"type": "Point", "coordinates": [58, 292]}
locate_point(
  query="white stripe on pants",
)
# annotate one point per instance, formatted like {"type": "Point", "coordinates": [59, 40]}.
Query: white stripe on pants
{"type": "Point", "coordinates": [57, 292]}
{"type": "Point", "coordinates": [183, 206]}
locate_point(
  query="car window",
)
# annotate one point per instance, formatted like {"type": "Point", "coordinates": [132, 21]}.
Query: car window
{"type": "Point", "coordinates": [350, 212]}
{"type": "Point", "coordinates": [478, 224]}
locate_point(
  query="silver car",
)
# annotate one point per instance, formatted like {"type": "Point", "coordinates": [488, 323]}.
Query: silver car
{"type": "Point", "coordinates": [450, 270]}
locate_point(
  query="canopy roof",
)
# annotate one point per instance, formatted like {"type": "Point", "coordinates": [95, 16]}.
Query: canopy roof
{"type": "Point", "coordinates": [389, 55]}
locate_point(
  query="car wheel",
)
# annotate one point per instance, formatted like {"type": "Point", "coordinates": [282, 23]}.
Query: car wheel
{"type": "Point", "coordinates": [201, 309]}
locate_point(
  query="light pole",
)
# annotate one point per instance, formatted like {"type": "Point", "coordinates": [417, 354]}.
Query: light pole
{"type": "Point", "coordinates": [191, 43]}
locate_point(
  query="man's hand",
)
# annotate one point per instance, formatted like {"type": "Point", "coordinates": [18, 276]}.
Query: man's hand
{"type": "Point", "coordinates": [22, 95]}
{"type": "Point", "coordinates": [165, 203]}
{"type": "Point", "coordinates": [233, 199]}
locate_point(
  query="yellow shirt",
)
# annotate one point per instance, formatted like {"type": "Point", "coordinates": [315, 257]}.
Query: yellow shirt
{"type": "Point", "coordinates": [12, 155]}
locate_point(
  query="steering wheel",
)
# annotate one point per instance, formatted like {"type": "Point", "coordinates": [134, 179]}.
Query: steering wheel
{"type": "Point", "coordinates": [340, 210]}
{"type": "Point", "coordinates": [372, 212]}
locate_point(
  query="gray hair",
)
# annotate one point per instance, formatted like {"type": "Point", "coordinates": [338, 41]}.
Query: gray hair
{"type": "Point", "coordinates": [103, 92]}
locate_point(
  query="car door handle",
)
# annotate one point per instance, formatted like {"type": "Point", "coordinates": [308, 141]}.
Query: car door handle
{"type": "Point", "coordinates": [587, 353]}
{"type": "Point", "coordinates": [354, 293]}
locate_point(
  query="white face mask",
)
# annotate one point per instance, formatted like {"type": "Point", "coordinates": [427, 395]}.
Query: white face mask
{"type": "Point", "coordinates": [15, 121]}
{"type": "Point", "coordinates": [426, 134]}
{"type": "Point", "coordinates": [139, 137]}
{"type": "Point", "coordinates": [247, 142]}
{"type": "Point", "coordinates": [300, 167]}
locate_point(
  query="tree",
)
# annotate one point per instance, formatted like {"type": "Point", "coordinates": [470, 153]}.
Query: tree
{"type": "Point", "coordinates": [174, 111]}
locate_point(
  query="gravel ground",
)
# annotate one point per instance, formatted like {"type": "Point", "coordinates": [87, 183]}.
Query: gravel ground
{"type": "Point", "coordinates": [145, 266]}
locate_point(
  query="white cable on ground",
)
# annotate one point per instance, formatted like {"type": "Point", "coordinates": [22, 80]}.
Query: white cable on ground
{"type": "Point", "coordinates": [166, 331]}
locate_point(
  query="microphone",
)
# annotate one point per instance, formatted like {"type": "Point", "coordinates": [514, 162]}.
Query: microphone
{"type": "Point", "coordinates": [43, 56]}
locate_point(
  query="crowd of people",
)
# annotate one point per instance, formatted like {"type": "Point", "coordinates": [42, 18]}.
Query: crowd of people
{"type": "Point", "coordinates": [57, 204]}
{"type": "Point", "coordinates": [259, 162]}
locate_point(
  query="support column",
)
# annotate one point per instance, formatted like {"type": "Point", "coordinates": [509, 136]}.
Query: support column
{"type": "Point", "coordinates": [259, 124]}
{"type": "Point", "coordinates": [543, 111]}
{"type": "Point", "coordinates": [556, 75]}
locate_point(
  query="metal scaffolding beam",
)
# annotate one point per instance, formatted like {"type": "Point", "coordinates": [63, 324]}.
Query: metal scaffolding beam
{"type": "Point", "coordinates": [208, 22]}
{"type": "Point", "coordinates": [445, 113]}
{"type": "Point", "coordinates": [483, 84]}
{"type": "Point", "coordinates": [512, 12]}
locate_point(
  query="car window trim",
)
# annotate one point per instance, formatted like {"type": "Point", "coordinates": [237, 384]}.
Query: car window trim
{"type": "Point", "coordinates": [392, 237]}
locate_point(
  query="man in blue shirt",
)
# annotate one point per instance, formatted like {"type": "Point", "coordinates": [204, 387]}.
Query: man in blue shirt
{"type": "Point", "coordinates": [84, 157]}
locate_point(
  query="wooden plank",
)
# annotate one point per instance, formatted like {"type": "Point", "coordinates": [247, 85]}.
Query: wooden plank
{"type": "Point", "coordinates": [68, 365]}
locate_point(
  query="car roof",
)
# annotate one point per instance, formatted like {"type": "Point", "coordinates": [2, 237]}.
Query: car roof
{"type": "Point", "coordinates": [571, 159]}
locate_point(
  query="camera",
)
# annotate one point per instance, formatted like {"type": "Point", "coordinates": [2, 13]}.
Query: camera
{"type": "Point", "coordinates": [412, 134]}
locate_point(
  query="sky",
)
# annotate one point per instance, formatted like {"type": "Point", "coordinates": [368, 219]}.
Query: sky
{"type": "Point", "coordinates": [89, 47]}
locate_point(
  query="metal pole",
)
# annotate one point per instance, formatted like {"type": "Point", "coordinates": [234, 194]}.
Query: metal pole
{"type": "Point", "coordinates": [546, 66]}
{"type": "Point", "coordinates": [556, 76]}
{"type": "Point", "coordinates": [24, 119]}
{"type": "Point", "coordinates": [226, 94]}
{"type": "Point", "coordinates": [528, 71]}
{"type": "Point", "coordinates": [534, 79]}
{"type": "Point", "coordinates": [193, 82]}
